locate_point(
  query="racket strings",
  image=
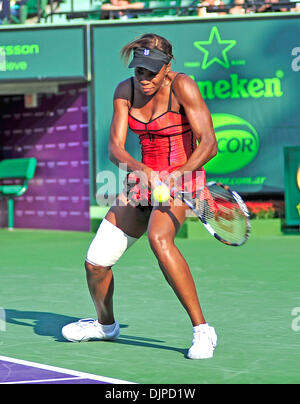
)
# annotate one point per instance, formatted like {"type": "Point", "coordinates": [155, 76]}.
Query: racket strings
{"type": "Point", "coordinates": [219, 209]}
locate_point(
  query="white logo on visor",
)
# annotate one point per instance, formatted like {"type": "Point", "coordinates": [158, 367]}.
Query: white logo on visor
{"type": "Point", "coordinates": [146, 52]}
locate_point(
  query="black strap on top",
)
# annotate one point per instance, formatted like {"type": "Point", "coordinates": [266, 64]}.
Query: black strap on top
{"type": "Point", "coordinates": [132, 92]}
{"type": "Point", "coordinates": [171, 91]}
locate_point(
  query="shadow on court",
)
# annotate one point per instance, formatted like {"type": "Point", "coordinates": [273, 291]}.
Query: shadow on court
{"type": "Point", "coordinates": [147, 343]}
{"type": "Point", "coordinates": [50, 324]}
{"type": "Point", "coordinates": [43, 323]}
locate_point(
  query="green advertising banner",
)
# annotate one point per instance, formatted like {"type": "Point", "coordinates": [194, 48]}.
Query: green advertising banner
{"type": "Point", "coordinates": [292, 185]}
{"type": "Point", "coordinates": [34, 54]}
{"type": "Point", "coordinates": [248, 71]}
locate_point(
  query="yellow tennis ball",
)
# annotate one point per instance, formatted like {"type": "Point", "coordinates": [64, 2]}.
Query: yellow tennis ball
{"type": "Point", "coordinates": [161, 193]}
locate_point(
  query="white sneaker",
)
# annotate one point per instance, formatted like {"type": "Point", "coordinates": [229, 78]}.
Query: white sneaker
{"type": "Point", "coordinates": [88, 329]}
{"type": "Point", "coordinates": [204, 342]}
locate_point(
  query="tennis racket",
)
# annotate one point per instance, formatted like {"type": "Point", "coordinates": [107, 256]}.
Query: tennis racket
{"type": "Point", "coordinates": [222, 212]}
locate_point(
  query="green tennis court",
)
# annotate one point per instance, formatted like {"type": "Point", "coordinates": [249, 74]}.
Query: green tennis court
{"type": "Point", "coordinates": [247, 294]}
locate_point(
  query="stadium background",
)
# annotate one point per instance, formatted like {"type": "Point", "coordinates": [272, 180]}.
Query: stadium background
{"type": "Point", "coordinates": [248, 82]}
{"type": "Point", "coordinates": [248, 70]}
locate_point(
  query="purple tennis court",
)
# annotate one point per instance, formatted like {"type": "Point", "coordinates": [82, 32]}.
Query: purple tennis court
{"type": "Point", "coordinates": [15, 371]}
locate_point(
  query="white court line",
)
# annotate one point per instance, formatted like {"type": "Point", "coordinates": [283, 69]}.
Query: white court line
{"type": "Point", "coordinates": [63, 370]}
{"type": "Point", "coordinates": [45, 380]}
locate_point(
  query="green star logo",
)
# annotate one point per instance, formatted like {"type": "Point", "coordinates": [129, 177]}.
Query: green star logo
{"type": "Point", "coordinates": [215, 49]}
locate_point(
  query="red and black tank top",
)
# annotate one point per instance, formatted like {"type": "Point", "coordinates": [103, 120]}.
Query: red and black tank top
{"type": "Point", "coordinates": [167, 141]}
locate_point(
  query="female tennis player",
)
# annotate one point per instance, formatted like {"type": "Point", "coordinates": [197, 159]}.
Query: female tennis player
{"type": "Point", "coordinates": [166, 110]}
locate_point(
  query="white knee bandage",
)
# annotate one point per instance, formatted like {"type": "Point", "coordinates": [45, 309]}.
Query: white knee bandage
{"type": "Point", "coordinates": [108, 245]}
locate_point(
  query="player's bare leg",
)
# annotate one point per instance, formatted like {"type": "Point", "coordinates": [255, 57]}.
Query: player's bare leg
{"type": "Point", "coordinates": [119, 220]}
{"type": "Point", "coordinates": [100, 279]}
{"type": "Point", "coordinates": [100, 282]}
{"type": "Point", "coordinates": [163, 226]}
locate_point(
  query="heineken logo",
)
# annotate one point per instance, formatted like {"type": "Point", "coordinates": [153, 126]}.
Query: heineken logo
{"type": "Point", "coordinates": [241, 87]}
{"type": "Point", "coordinates": [215, 49]}
{"type": "Point", "coordinates": [238, 144]}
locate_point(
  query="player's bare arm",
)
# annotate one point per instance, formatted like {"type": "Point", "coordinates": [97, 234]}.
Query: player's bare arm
{"type": "Point", "coordinates": [118, 132]}
{"type": "Point", "coordinates": [189, 96]}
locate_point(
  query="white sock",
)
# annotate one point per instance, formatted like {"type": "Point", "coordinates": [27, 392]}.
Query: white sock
{"type": "Point", "coordinates": [107, 328]}
{"type": "Point", "coordinates": [201, 327]}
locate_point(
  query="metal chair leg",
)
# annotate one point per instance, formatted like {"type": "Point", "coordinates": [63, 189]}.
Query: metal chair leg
{"type": "Point", "coordinates": [10, 204]}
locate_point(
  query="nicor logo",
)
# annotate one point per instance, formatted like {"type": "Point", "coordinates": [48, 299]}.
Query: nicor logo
{"type": "Point", "coordinates": [238, 144]}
